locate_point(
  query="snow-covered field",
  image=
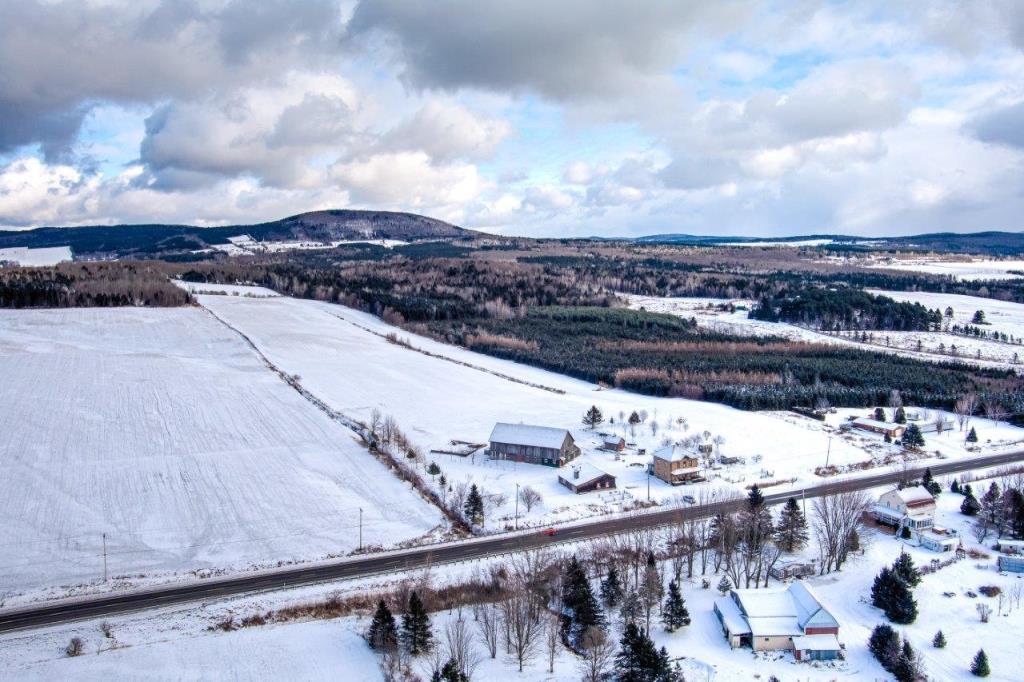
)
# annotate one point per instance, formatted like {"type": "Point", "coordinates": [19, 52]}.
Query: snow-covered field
{"type": "Point", "coordinates": [35, 257]}
{"type": "Point", "coordinates": [1001, 316]}
{"type": "Point", "coordinates": [176, 644]}
{"type": "Point", "coordinates": [163, 430]}
{"type": "Point", "coordinates": [344, 359]}
{"type": "Point", "coordinates": [968, 270]}
{"type": "Point", "coordinates": [932, 346]}
{"type": "Point", "coordinates": [240, 247]}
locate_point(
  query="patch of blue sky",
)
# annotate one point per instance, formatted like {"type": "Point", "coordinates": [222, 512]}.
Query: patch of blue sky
{"type": "Point", "coordinates": [545, 141]}
{"type": "Point", "coordinates": [110, 137]}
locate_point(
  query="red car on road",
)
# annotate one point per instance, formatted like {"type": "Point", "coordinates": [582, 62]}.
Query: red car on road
{"type": "Point", "coordinates": [549, 531]}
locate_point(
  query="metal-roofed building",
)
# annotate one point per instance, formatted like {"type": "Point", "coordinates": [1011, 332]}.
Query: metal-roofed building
{"type": "Point", "coordinates": [768, 620]}
{"type": "Point", "coordinates": [533, 444]}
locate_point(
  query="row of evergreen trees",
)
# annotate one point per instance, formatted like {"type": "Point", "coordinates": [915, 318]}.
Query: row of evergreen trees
{"type": "Point", "coordinates": [998, 511]}
{"type": "Point", "coordinates": [892, 590]}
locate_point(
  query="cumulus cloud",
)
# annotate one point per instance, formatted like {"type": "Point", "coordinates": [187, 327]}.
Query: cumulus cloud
{"type": "Point", "coordinates": [446, 131]}
{"type": "Point", "coordinates": [271, 133]}
{"type": "Point", "coordinates": [408, 179]}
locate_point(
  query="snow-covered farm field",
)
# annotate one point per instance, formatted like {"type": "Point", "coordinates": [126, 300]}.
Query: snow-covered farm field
{"type": "Point", "coordinates": [176, 643]}
{"type": "Point", "coordinates": [933, 346]}
{"type": "Point", "coordinates": [34, 257]}
{"type": "Point", "coordinates": [165, 431]}
{"type": "Point", "coordinates": [1000, 316]}
{"type": "Point", "coordinates": [343, 358]}
{"type": "Point", "coordinates": [967, 270]}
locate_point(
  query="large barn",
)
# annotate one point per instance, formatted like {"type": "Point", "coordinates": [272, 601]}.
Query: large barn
{"type": "Point", "coordinates": [533, 444]}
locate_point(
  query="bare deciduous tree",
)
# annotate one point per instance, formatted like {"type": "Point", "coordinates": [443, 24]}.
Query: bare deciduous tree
{"type": "Point", "coordinates": [965, 408]}
{"type": "Point", "coordinates": [836, 518]}
{"type": "Point", "coordinates": [459, 645]}
{"type": "Point", "coordinates": [529, 497]}
{"type": "Point", "coordinates": [488, 620]}
{"type": "Point", "coordinates": [552, 638]}
{"type": "Point", "coordinates": [598, 655]}
{"type": "Point", "coordinates": [521, 613]}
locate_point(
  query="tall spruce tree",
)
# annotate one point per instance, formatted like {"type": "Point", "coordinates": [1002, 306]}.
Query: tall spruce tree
{"type": "Point", "coordinates": [632, 608]}
{"type": "Point", "coordinates": [939, 640]}
{"type": "Point", "coordinates": [884, 645]}
{"type": "Point", "coordinates": [901, 608]}
{"type": "Point", "coordinates": [674, 614]}
{"type": "Point", "coordinates": [912, 437]}
{"type": "Point", "coordinates": [593, 418]}
{"type": "Point", "coordinates": [611, 589]}
{"type": "Point", "coordinates": [416, 631]}
{"type": "Point", "coordinates": [383, 633]}
{"type": "Point", "coordinates": [791, 533]}
{"type": "Point", "coordinates": [638, 660]}
{"type": "Point", "coordinates": [579, 608]}
{"type": "Point", "coordinates": [904, 567]}
{"type": "Point", "coordinates": [979, 666]}
{"type": "Point", "coordinates": [972, 436]}
{"type": "Point", "coordinates": [970, 506]}
{"type": "Point", "coordinates": [901, 415]}
{"type": "Point", "coordinates": [929, 483]}
{"type": "Point", "coordinates": [474, 506]}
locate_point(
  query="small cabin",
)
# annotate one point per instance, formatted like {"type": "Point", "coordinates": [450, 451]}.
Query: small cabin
{"type": "Point", "coordinates": [583, 477]}
{"type": "Point", "coordinates": [614, 444]}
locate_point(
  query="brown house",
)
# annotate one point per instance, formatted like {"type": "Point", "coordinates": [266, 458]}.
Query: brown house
{"type": "Point", "coordinates": [675, 464]}
{"type": "Point", "coordinates": [585, 478]}
{"type": "Point", "coordinates": [614, 444]}
{"type": "Point", "coordinates": [533, 444]}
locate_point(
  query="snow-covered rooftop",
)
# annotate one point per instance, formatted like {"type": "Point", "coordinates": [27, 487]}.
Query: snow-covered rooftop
{"type": "Point", "coordinates": [587, 473]}
{"type": "Point", "coordinates": [816, 643]}
{"type": "Point", "coordinates": [915, 495]}
{"type": "Point", "coordinates": [733, 619]}
{"type": "Point", "coordinates": [783, 612]}
{"type": "Point", "coordinates": [525, 434]}
{"type": "Point", "coordinates": [674, 453]}
{"type": "Point", "coordinates": [875, 424]}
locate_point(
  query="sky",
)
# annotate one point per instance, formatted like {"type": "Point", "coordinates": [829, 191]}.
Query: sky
{"type": "Point", "coordinates": [525, 117]}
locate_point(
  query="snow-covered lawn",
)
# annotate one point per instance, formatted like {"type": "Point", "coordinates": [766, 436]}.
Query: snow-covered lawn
{"type": "Point", "coordinates": [344, 359]}
{"type": "Point", "coordinates": [163, 429]}
{"type": "Point", "coordinates": [929, 346]}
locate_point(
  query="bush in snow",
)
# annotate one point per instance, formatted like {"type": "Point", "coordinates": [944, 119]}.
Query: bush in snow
{"type": "Point", "coordinates": [979, 666]}
{"type": "Point", "coordinates": [939, 640]}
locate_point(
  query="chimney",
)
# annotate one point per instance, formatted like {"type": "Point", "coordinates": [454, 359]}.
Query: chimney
{"type": "Point", "coordinates": [575, 472]}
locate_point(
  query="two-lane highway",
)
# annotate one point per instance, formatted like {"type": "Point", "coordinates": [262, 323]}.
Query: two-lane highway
{"type": "Point", "coordinates": [475, 548]}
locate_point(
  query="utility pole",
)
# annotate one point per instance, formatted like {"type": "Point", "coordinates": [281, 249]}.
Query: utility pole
{"type": "Point", "coordinates": [649, 482]}
{"type": "Point", "coordinates": [360, 529]}
{"type": "Point", "coordinates": [803, 499]}
{"type": "Point", "coordinates": [517, 507]}
{"type": "Point", "coordinates": [828, 452]}
{"type": "Point", "coordinates": [104, 557]}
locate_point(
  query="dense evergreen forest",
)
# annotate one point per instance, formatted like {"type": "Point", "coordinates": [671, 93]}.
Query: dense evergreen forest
{"type": "Point", "coordinates": [845, 309]}
{"type": "Point", "coordinates": [89, 285]}
{"type": "Point", "coordinates": [664, 355]}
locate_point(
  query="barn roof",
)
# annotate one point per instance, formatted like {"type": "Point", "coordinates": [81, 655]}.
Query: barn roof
{"type": "Point", "coordinates": [525, 434]}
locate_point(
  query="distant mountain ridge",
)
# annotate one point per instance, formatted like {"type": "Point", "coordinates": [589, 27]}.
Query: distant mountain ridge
{"type": "Point", "coordinates": [988, 242]}
{"type": "Point", "coordinates": [327, 225]}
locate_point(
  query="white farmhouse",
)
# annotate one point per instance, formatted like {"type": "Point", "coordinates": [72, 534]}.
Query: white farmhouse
{"type": "Point", "coordinates": [913, 509]}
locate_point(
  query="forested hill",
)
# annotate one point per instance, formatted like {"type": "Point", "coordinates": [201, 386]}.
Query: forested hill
{"type": "Point", "coordinates": [134, 240]}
